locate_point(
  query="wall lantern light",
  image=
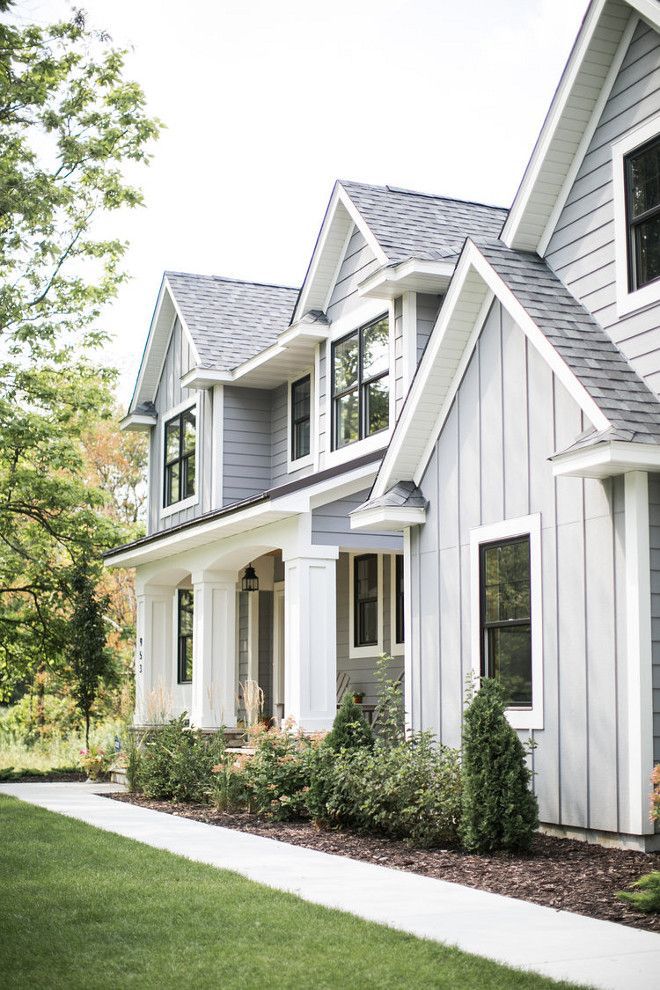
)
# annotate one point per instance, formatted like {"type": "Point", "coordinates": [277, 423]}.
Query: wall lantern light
{"type": "Point", "coordinates": [250, 580]}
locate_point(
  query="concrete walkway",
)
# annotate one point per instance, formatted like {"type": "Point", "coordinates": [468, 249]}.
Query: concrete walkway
{"type": "Point", "coordinates": [527, 936]}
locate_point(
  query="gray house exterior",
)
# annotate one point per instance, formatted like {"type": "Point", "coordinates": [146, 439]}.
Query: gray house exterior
{"type": "Point", "coordinates": [444, 446]}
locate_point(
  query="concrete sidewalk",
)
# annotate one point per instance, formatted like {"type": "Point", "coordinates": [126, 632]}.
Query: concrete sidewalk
{"type": "Point", "coordinates": [527, 936]}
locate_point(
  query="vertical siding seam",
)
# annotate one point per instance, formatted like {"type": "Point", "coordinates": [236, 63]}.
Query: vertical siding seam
{"type": "Point", "coordinates": [479, 420]}
{"type": "Point", "coordinates": [558, 647]}
{"type": "Point", "coordinates": [460, 568]}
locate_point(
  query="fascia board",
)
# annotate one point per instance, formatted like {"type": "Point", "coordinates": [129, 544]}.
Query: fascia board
{"type": "Point", "coordinates": [389, 279]}
{"type": "Point", "coordinates": [134, 422]}
{"type": "Point", "coordinates": [148, 344]}
{"type": "Point", "coordinates": [606, 460]}
{"type": "Point", "coordinates": [183, 323]}
{"type": "Point", "coordinates": [387, 517]}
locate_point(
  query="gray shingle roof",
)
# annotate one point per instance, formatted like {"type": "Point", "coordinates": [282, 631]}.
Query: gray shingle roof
{"type": "Point", "coordinates": [405, 494]}
{"type": "Point", "coordinates": [626, 401]}
{"type": "Point", "coordinates": [230, 321]}
{"type": "Point", "coordinates": [409, 224]}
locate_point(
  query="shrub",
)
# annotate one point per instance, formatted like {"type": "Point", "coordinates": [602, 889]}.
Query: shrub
{"type": "Point", "coordinates": [646, 893]}
{"type": "Point", "coordinates": [499, 810]}
{"type": "Point", "coordinates": [350, 729]}
{"type": "Point", "coordinates": [276, 778]}
{"type": "Point", "coordinates": [96, 762]}
{"type": "Point", "coordinates": [411, 790]}
{"type": "Point", "coordinates": [655, 796]}
{"type": "Point", "coordinates": [227, 791]}
{"type": "Point", "coordinates": [177, 762]}
{"type": "Point", "coordinates": [389, 722]}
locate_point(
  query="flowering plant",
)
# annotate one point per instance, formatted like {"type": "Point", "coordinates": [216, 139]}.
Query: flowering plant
{"type": "Point", "coordinates": [95, 762]}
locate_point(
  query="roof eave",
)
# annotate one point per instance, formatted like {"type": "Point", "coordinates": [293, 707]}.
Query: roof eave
{"type": "Point", "coordinates": [411, 275]}
{"type": "Point", "coordinates": [606, 459]}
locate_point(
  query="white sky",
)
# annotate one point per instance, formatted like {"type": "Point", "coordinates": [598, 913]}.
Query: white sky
{"type": "Point", "coordinates": [266, 102]}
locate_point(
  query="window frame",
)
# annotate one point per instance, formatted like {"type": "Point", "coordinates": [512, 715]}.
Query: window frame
{"type": "Point", "coordinates": [361, 385]}
{"type": "Point", "coordinates": [294, 463]}
{"type": "Point", "coordinates": [628, 299]}
{"type": "Point", "coordinates": [186, 636]}
{"type": "Point", "coordinates": [372, 650]}
{"type": "Point", "coordinates": [633, 222]}
{"type": "Point", "coordinates": [397, 646]}
{"type": "Point", "coordinates": [503, 532]}
{"type": "Point", "coordinates": [171, 414]}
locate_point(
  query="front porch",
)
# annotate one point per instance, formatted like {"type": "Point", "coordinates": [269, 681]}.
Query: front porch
{"type": "Point", "coordinates": [311, 632]}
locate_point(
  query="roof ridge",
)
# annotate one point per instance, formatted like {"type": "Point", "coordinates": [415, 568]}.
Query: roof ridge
{"type": "Point", "coordinates": [424, 195]}
{"type": "Point", "coordinates": [233, 281]}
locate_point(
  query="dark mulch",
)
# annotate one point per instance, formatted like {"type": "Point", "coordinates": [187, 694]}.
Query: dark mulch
{"type": "Point", "coordinates": [45, 777]}
{"type": "Point", "coordinates": [560, 873]}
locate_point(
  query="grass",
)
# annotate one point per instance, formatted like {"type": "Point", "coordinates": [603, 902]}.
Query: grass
{"type": "Point", "coordinates": [83, 908]}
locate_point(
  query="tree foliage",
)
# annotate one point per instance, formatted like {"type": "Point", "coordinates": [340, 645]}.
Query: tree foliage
{"type": "Point", "coordinates": [499, 809]}
{"type": "Point", "coordinates": [69, 123]}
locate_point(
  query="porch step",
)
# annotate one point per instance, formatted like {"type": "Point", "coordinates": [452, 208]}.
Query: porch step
{"type": "Point", "coordinates": [118, 776]}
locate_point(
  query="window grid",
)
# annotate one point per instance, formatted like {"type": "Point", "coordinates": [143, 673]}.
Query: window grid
{"type": "Point", "coordinates": [300, 417]}
{"type": "Point", "coordinates": [361, 385]}
{"type": "Point", "coordinates": [640, 260]}
{"type": "Point", "coordinates": [365, 600]}
{"type": "Point", "coordinates": [179, 474]}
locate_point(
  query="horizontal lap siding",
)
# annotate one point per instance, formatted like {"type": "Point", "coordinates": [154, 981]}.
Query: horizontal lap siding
{"type": "Point", "coordinates": [331, 526]}
{"type": "Point", "coordinates": [246, 443]}
{"type": "Point", "coordinates": [358, 262]}
{"type": "Point", "coordinates": [491, 463]}
{"type": "Point", "coordinates": [178, 360]}
{"type": "Point", "coordinates": [654, 507]}
{"type": "Point", "coordinates": [582, 250]}
{"type": "Point", "coordinates": [428, 307]}
{"type": "Point", "coordinates": [280, 438]}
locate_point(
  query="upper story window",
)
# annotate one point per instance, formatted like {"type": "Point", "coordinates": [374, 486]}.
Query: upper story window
{"type": "Point", "coordinates": [360, 383]}
{"type": "Point", "coordinates": [301, 392]}
{"type": "Point", "coordinates": [184, 635]}
{"type": "Point", "coordinates": [180, 444]}
{"type": "Point", "coordinates": [506, 624]}
{"type": "Point", "coordinates": [642, 180]}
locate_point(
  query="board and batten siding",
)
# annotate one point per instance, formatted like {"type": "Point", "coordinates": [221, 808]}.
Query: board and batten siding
{"type": "Point", "coordinates": [362, 670]}
{"type": "Point", "coordinates": [178, 360]}
{"type": "Point", "coordinates": [246, 443]}
{"type": "Point", "coordinates": [654, 519]}
{"type": "Point", "coordinates": [582, 250]}
{"type": "Point", "coordinates": [489, 464]}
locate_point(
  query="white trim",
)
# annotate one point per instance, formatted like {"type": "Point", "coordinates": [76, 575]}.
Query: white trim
{"type": "Point", "coordinates": [217, 446]}
{"type": "Point", "coordinates": [253, 634]}
{"type": "Point", "coordinates": [204, 378]}
{"type": "Point", "coordinates": [135, 422]}
{"type": "Point", "coordinates": [408, 632]}
{"type": "Point", "coordinates": [387, 517]}
{"type": "Point", "coordinates": [508, 528]}
{"type": "Point", "coordinates": [638, 650]}
{"type": "Point", "coordinates": [606, 459]}
{"type": "Point", "coordinates": [169, 510]}
{"type": "Point", "coordinates": [471, 261]}
{"type": "Point", "coordinates": [278, 658]}
{"type": "Point", "coordinates": [408, 338]}
{"type": "Point", "coordinates": [182, 321]}
{"type": "Point", "coordinates": [627, 301]}
{"type": "Point", "coordinates": [317, 406]}
{"type": "Point", "coordinates": [396, 649]}
{"type": "Point", "coordinates": [308, 459]}
{"type": "Point", "coordinates": [352, 323]}
{"type": "Point", "coordinates": [588, 134]}
{"type": "Point", "coordinates": [355, 652]}
{"type": "Point", "coordinates": [340, 261]}
{"type": "Point", "coordinates": [412, 275]}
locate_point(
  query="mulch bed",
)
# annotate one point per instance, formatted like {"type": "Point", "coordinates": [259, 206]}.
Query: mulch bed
{"type": "Point", "coordinates": [560, 873]}
{"type": "Point", "coordinates": [65, 777]}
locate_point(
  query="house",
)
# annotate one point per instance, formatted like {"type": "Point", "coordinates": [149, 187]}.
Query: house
{"type": "Point", "coordinates": [445, 446]}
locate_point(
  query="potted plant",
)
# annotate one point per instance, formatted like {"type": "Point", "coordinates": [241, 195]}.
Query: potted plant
{"type": "Point", "coordinates": [358, 697]}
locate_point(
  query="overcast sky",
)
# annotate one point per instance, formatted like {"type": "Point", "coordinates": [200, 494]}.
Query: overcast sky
{"type": "Point", "coordinates": [267, 102]}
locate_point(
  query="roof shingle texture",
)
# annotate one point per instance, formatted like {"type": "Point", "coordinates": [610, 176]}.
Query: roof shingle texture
{"type": "Point", "coordinates": [632, 410]}
{"type": "Point", "coordinates": [408, 224]}
{"type": "Point", "coordinates": [231, 321]}
{"type": "Point", "coordinates": [405, 494]}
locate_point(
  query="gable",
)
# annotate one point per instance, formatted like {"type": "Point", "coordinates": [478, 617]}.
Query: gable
{"type": "Point", "coordinates": [582, 247]}
{"type": "Point", "coordinates": [357, 263]}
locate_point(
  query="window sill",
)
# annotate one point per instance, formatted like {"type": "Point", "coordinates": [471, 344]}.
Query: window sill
{"type": "Point", "coordinates": [342, 455]}
{"type": "Point", "coordinates": [525, 718]}
{"type": "Point", "coordinates": [300, 462]}
{"type": "Point", "coordinates": [363, 652]}
{"type": "Point", "coordinates": [630, 302]}
{"type": "Point", "coordinates": [186, 503]}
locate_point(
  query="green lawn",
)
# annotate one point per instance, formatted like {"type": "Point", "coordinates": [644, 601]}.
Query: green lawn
{"type": "Point", "coordinates": [83, 908]}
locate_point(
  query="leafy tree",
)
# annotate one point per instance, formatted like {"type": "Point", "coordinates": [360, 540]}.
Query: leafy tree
{"type": "Point", "coordinates": [499, 809]}
{"type": "Point", "coordinates": [90, 660]}
{"type": "Point", "coordinates": [350, 729]}
{"type": "Point", "coordinates": [69, 123]}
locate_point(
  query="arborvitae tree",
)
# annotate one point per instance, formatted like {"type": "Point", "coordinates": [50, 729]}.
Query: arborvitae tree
{"type": "Point", "coordinates": [91, 661]}
{"type": "Point", "coordinates": [499, 809]}
{"type": "Point", "coordinates": [350, 729]}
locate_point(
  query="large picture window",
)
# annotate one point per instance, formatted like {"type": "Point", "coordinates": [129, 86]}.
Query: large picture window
{"type": "Point", "coordinates": [185, 635]}
{"type": "Point", "coordinates": [180, 442]}
{"type": "Point", "coordinates": [365, 600]}
{"type": "Point", "coordinates": [642, 179]}
{"type": "Point", "coordinates": [506, 627]}
{"type": "Point", "coordinates": [360, 383]}
{"type": "Point", "coordinates": [300, 417]}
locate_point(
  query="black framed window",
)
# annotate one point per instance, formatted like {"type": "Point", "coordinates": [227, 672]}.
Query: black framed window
{"type": "Point", "coordinates": [180, 442]}
{"type": "Point", "coordinates": [642, 173]}
{"type": "Point", "coordinates": [506, 627]}
{"type": "Point", "coordinates": [185, 635]}
{"type": "Point", "coordinates": [360, 383]}
{"type": "Point", "coordinates": [365, 600]}
{"type": "Point", "coordinates": [398, 599]}
{"type": "Point", "coordinates": [301, 392]}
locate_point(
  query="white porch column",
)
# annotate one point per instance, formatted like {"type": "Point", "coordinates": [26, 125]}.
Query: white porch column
{"type": "Point", "coordinates": [153, 652]}
{"type": "Point", "coordinates": [310, 638]}
{"type": "Point", "coordinates": [214, 650]}
{"type": "Point", "coordinates": [639, 652]}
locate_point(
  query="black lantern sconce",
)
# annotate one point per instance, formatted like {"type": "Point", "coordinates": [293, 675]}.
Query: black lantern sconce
{"type": "Point", "coordinates": [250, 580]}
